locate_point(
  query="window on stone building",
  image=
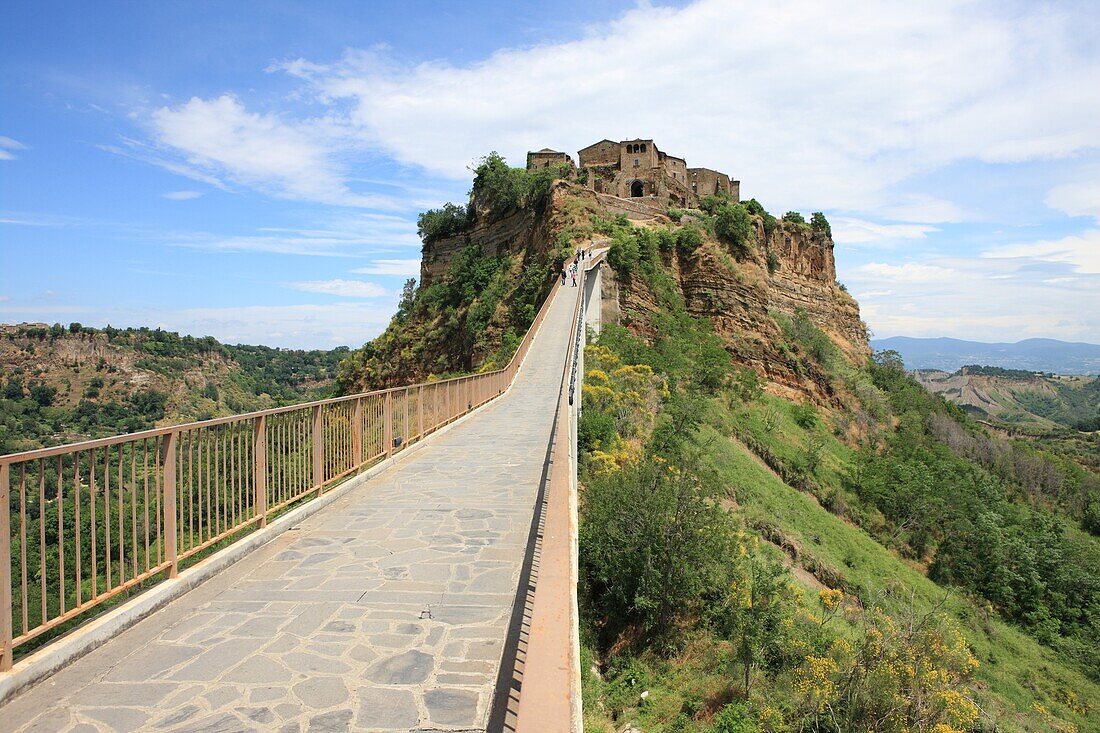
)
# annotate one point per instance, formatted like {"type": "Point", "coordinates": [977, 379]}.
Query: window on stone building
{"type": "Point", "coordinates": [637, 163]}
{"type": "Point", "coordinates": [643, 147]}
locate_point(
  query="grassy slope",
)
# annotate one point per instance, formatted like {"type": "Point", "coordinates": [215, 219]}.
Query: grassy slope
{"type": "Point", "coordinates": [1017, 678]}
{"type": "Point", "coordinates": [1017, 670]}
{"type": "Point", "coordinates": [1021, 685]}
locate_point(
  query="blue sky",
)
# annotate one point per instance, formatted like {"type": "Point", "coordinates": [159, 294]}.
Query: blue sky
{"type": "Point", "coordinates": [253, 171]}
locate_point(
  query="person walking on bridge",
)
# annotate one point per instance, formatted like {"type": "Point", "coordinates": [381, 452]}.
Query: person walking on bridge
{"type": "Point", "coordinates": [573, 272]}
{"type": "Point", "coordinates": [563, 269]}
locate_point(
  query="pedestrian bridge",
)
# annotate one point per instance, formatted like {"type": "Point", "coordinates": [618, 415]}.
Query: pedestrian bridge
{"type": "Point", "coordinates": [397, 560]}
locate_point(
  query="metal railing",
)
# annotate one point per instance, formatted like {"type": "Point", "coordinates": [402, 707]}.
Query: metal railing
{"type": "Point", "coordinates": [83, 523]}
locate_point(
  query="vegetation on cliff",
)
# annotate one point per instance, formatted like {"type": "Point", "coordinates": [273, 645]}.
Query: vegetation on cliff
{"type": "Point", "coordinates": [869, 559]}
{"type": "Point", "coordinates": [475, 316]}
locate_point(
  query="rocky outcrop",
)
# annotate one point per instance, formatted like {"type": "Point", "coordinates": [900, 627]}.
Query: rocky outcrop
{"type": "Point", "coordinates": [512, 234]}
{"type": "Point", "coordinates": [806, 279]}
{"type": "Point", "coordinates": [739, 296]}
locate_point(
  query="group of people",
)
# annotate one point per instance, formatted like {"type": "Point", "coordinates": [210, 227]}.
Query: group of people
{"type": "Point", "coordinates": [570, 270]}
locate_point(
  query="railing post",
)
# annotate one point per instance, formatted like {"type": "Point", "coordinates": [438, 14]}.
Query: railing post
{"type": "Point", "coordinates": [168, 479]}
{"type": "Point", "coordinates": [420, 412]}
{"type": "Point", "coordinates": [387, 423]}
{"type": "Point", "coordinates": [357, 434]}
{"type": "Point", "coordinates": [259, 457]}
{"type": "Point", "coordinates": [318, 449]}
{"type": "Point", "coordinates": [6, 629]}
{"type": "Point", "coordinates": [405, 425]}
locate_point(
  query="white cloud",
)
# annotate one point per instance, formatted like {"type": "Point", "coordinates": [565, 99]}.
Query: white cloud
{"type": "Point", "coordinates": [1033, 291]}
{"type": "Point", "coordinates": [404, 268]}
{"type": "Point", "coordinates": [909, 272]}
{"type": "Point", "coordinates": [1080, 251]}
{"type": "Point", "coordinates": [7, 145]}
{"type": "Point", "coordinates": [358, 235]}
{"type": "Point", "coordinates": [222, 139]}
{"type": "Point", "coordinates": [341, 288]}
{"type": "Point", "coordinates": [1079, 198]}
{"type": "Point", "coordinates": [849, 230]}
{"type": "Point", "coordinates": [39, 220]}
{"type": "Point", "coordinates": [871, 94]}
{"type": "Point", "coordinates": [181, 195]}
{"type": "Point", "coordinates": [145, 153]}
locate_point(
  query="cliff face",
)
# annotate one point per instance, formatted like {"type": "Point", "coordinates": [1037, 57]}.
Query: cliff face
{"type": "Point", "coordinates": [740, 297]}
{"type": "Point", "coordinates": [520, 232]}
{"type": "Point", "coordinates": [478, 292]}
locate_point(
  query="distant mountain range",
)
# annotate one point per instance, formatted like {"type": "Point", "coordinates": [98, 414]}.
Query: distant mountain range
{"type": "Point", "coordinates": [948, 354]}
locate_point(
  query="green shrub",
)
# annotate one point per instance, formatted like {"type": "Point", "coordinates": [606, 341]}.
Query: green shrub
{"type": "Point", "coordinates": [733, 719]}
{"type": "Point", "coordinates": [653, 546]}
{"type": "Point", "coordinates": [805, 415]}
{"type": "Point", "coordinates": [436, 224]}
{"type": "Point", "coordinates": [819, 223]}
{"type": "Point", "coordinates": [595, 430]}
{"type": "Point", "coordinates": [713, 202]}
{"type": "Point", "coordinates": [500, 189]}
{"type": "Point", "coordinates": [794, 217]}
{"type": "Point", "coordinates": [43, 395]}
{"type": "Point", "coordinates": [733, 225]}
{"type": "Point", "coordinates": [666, 240]}
{"type": "Point", "coordinates": [755, 208]}
{"type": "Point", "coordinates": [688, 239]}
{"type": "Point", "coordinates": [497, 188]}
{"type": "Point", "coordinates": [773, 262]}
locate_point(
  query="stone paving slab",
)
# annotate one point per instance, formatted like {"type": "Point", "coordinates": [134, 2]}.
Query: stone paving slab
{"type": "Point", "coordinates": [385, 611]}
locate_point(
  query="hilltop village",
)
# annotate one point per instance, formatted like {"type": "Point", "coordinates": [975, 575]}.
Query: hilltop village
{"type": "Point", "coordinates": [640, 171]}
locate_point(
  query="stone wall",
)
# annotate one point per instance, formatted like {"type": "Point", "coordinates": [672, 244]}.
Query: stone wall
{"type": "Point", "coordinates": [604, 152]}
{"type": "Point", "coordinates": [613, 167]}
{"type": "Point", "coordinates": [706, 182]}
{"type": "Point", "coordinates": [632, 208]}
{"type": "Point", "coordinates": [545, 158]}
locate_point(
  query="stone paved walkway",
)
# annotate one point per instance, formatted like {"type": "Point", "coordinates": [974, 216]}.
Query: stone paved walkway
{"type": "Point", "coordinates": [387, 610]}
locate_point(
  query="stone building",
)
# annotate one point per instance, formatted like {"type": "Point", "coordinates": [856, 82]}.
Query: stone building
{"type": "Point", "coordinates": [706, 182]}
{"type": "Point", "coordinates": [545, 158]}
{"type": "Point", "coordinates": [638, 169]}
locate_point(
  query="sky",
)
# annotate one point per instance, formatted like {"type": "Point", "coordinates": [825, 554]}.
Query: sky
{"type": "Point", "coordinates": [253, 171]}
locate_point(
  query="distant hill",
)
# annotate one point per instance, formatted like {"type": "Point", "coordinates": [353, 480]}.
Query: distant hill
{"type": "Point", "coordinates": [1039, 355]}
{"type": "Point", "coordinates": [64, 384]}
{"type": "Point", "coordinates": [1019, 398]}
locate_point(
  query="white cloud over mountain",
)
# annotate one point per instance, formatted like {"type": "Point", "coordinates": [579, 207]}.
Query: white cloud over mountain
{"type": "Point", "coordinates": [824, 104]}
{"type": "Point", "coordinates": [852, 108]}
